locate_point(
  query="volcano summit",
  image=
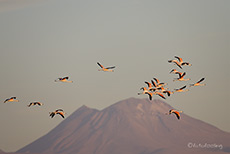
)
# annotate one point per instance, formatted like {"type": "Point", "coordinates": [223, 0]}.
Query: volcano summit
{"type": "Point", "coordinates": [131, 126]}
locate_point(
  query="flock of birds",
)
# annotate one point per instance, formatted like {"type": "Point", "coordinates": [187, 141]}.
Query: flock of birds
{"type": "Point", "coordinates": [52, 114]}
{"type": "Point", "coordinates": [61, 79]}
{"type": "Point", "coordinates": [155, 87]}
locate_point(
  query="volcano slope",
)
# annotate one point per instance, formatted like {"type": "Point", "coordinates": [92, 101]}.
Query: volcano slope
{"type": "Point", "coordinates": [131, 126]}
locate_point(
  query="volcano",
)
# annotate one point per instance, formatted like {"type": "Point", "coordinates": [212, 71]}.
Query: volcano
{"type": "Point", "coordinates": [131, 126]}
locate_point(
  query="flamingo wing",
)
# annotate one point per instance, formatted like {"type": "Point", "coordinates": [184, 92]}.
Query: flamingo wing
{"type": "Point", "coordinates": [52, 114]}
{"type": "Point", "coordinates": [142, 88]}
{"type": "Point", "coordinates": [60, 78]}
{"type": "Point", "coordinates": [177, 114]}
{"type": "Point", "coordinates": [100, 65]}
{"type": "Point", "coordinates": [182, 87]}
{"type": "Point", "coordinates": [149, 84]}
{"type": "Point", "coordinates": [185, 63]}
{"type": "Point", "coordinates": [7, 100]}
{"type": "Point", "coordinates": [180, 59]}
{"type": "Point", "coordinates": [168, 93]}
{"type": "Point", "coordinates": [173, 70]}
{"type": "Point", "coordinates": [66, 77]}
{"type": "Point", "coordinates": [183, 75]}
{"type": "Point", "coordinates": [38, 103]}
{"type": "Point", "coordinates": [178, 64]}
{"type": "Point", "coordinates": [61, 114]}
{"type": "Point", "coordinates": [59, 110]}
{"type": "Point", "coordinates": [201, 80]}
{"type": "Point", "coordinates": [179, 73]}
{"type": "Point", "coordinates": [110, 67]}
{"type": "Point", "coordinates": [150, 95]}
{"type": "Point", "coordinates": [161, 95]}
{"type": "Point", "coordinates": [154, 84]}
{"type": "Point", "coordinates": [157, 81]}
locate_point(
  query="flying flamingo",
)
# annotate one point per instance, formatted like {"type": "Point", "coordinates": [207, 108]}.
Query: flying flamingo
{"type": "Point", "coordinates": [158, 83]}
{"type": "Point", "coordinates": [182, 89]}
{"type": "Point", "coordinates": [150, 95]}
{"type": "Point", "coordinates": [11, 99]}
{"type": "Point", "coordinates": [150, 86]}
{"type": "Point", "coordinates": [164, 90]}
{"type": "Point", "coordinates": [64, 79]}
{"type": "Point", "coordinates": [58, 111]}
{"type": "Point", "coordinates": [35, 103]}
{"type": "Point", "coordinates": [175, 62]}
{"type": "Point", "coordinates": [177, 113]}
{"type": "Point", "coordinates": [145, 90]}
{"type": "Point", "coordinates": [181, 62]}
{"type": "Point", "coordinates": [174, 71]}
{"type": "Point", "coordinates": [181, 77]}
{"type": "Point", "coordinates": [198, 83]}
{"type": "Point", "coordinates": [105, 69]}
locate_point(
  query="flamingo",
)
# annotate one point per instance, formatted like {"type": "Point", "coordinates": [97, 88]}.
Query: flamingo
{"type": "Point", "coordinates": [145, 90]}
{"type": "Point", "coordinates": [181, 77]}
{"type": "Point", "coordinates": [58, 111]}
{"type": "Point", "coordinates": [64, 79]}
{"type": "Point", "coordinates": [177, 113]}
{"type": "Point", "coordinates": [175, 62]}
{"type": "Point", "coordinates": [11, 99]}
{"type": "Point", "coordinates": [179, 73]}
{"type": "Point", "coordinates": [164, 90]}
{"type": "Point", "coordinates": [35, 103]}
{"type": "Point", "coordinates": [174, 71]}
{"type": "Point", "coordinates": [181, 62]}
{"type": "Point", "coordinates": [198, 83]}
{"type": "Point", "coordinates": [154, 84]}
{"type": "Point", "coordinates": [182, 89]}
{"type": "Point", "coordinates": [105, 69]}
{"type": "Point", "coordinates": [158, 84]}
{"type": "Point", "coordinates": [150, 95]}
{"type": "Point", "coordinates": [150, 87]}
{"type": "Point", "coordinates": [168, 92]}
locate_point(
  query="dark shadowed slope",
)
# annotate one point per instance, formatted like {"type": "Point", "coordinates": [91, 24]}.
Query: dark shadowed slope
{"type": "Point", "coordinates": [131, 126]}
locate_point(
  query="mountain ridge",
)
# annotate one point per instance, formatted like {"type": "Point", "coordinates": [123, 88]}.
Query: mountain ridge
{"type": "Point", "coordinates": [137, 126]}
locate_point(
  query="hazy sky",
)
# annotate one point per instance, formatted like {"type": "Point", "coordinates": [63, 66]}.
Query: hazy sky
{"type": "Point", "coordinates": [43, 40]}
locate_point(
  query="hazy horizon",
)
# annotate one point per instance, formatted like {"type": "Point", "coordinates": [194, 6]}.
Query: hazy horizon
{"type": "Point", "coordinates": [44, 40]}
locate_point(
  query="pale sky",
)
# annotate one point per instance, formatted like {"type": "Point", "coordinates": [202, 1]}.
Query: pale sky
{"type": "Point", "coordinates": [43, 40]}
